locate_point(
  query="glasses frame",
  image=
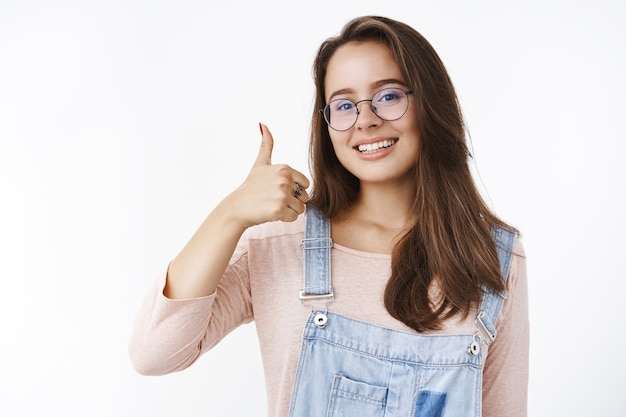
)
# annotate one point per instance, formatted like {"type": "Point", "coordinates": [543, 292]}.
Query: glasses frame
{"type": "Point", "coordinates": [358, 112]}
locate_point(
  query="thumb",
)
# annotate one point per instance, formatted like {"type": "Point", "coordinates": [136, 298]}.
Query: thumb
{"type": "Point", "coordinates": [267, 144]}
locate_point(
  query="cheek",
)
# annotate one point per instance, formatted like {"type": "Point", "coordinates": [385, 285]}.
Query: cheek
{"type": "Point", "coordinates": [411, 117]}
{"type": "Point", "coordinates": [411, 121]}
{"type": "Point", "coordinates": [338, 140]}
{"type": "Point", "coordinates": [412, 128]}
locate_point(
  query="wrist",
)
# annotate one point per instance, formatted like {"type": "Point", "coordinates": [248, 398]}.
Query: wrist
{"type": "Point", "coordinates": [229, 218]}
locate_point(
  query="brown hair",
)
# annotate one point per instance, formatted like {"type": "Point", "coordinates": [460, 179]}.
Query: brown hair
{"type": "Point", "coordinates": [451, 238]}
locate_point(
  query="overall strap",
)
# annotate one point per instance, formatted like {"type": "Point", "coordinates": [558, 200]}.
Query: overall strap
{"type": "Point", "coordinates": [491, 303]}
{"type": "Point", "coordinates": [316, 252]}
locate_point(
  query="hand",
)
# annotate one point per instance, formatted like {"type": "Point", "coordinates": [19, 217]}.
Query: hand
{"type": "Point", "coordinates": [267, 194]}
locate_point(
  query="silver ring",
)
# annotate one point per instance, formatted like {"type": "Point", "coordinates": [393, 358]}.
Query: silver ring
{"type": "Point", "coordinates": [297, 192]}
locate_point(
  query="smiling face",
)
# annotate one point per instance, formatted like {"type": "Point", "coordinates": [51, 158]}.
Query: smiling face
{"type": "Point", "coordinates": [374, 150]}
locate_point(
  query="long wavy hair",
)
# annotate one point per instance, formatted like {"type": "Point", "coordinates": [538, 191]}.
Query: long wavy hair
{"type": "Point", "coordinates": [450, 241]}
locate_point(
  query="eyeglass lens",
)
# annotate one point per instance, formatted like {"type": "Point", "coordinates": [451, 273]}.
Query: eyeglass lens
{"type": "Point", "coordinates": [388, 104]}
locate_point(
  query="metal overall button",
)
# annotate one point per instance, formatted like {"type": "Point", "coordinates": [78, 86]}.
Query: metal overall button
{"type": "Point", "coordinates": [320, 320]}
{"type": "Point", "coordinates": [474, 347]}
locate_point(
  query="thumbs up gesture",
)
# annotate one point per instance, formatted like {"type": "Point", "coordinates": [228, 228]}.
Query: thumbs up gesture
{"type": "Point", "coordinates": [271, 191]}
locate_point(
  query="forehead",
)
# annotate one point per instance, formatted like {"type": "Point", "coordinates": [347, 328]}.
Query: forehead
{"type": "Point", "coordinates": [359, 66]}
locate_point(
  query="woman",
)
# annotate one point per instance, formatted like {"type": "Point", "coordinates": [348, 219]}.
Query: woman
{"type": "Point", "coordinates": [422, 310]}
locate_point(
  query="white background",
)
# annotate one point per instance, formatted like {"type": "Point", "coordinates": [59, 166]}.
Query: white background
{"type": "Point", "coordinates": [122, 123]}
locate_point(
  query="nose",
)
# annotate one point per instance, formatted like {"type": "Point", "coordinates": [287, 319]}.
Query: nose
{"type": "Point", "coordinates": [366, 116]}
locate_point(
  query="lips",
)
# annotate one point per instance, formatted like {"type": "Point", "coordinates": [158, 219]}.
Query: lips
{"type": "Point", "coordinates": [375, 146]}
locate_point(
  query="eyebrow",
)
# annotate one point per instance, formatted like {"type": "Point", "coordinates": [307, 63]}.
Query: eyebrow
{"type": "Point", "coordinates": [376, 84]}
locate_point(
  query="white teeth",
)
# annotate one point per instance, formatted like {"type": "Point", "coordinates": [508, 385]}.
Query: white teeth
{"type": "Point", "coordinates": [373, 147]}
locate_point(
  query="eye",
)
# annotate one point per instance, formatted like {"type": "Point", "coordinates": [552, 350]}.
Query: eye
{"type": "Point", "coordinates": [388, 96]}
{"type": "Point", "coordinates": [342, 105]}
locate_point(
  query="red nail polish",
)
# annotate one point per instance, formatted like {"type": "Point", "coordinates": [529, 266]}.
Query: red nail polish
{"type": "Point", "coordinates": [261, 128]}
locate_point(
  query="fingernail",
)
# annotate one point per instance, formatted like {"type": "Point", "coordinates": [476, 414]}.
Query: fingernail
{"type": "Point", "coordinates": [261, 128]}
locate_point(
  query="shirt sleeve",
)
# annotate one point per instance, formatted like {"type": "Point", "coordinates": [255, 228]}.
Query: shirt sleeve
{"type": "Point", "coordinates": [505, 382]}
{"type": "Point", "coordinates": [169, 335]}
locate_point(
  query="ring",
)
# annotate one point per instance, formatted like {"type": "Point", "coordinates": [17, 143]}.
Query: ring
{"type": "Point", "coordinates": [297, 192]}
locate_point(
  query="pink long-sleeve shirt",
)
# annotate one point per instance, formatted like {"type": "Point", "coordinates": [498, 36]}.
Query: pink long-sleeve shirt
{"type": "Point", "coordinates": [262, 282]}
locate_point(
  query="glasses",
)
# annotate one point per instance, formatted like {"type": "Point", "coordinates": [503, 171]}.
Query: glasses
{"type": "Point", "coordinates": [388, 104]}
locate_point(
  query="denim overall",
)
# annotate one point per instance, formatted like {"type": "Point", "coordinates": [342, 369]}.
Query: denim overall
{"type": "Point", "coordinates": [349, 368]}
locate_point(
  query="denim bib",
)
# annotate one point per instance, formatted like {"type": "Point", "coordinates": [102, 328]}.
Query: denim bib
{"type": "Point", "coordinates": [349, 368]}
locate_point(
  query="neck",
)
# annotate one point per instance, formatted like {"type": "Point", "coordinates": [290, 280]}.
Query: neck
{"type": "Point", "coordinates": [376, 220]}
{"type": "Point", "coordinates": [384, 205]}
